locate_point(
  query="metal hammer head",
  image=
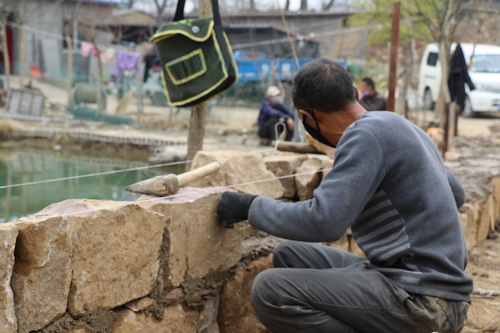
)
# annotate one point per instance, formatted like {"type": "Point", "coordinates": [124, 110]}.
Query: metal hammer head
{"type": "Point", "coordinates": [172, 184]}
{"type": "Point", "coordinates": [160, 186]}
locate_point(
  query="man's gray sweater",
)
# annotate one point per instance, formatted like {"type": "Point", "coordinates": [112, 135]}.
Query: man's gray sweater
{"type": "Point", "coordinates": [389, 184]}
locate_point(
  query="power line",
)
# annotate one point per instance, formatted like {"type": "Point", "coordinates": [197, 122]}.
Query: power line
{"type": "Point", "coordinates": [94, 174]}
{"type": "Point", "coordinates": [189, 193]}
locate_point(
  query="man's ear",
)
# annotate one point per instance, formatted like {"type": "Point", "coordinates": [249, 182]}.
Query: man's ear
{"type": "Point", "coordinates": [303, 114]}
{"type": "Point", "coordinates": [358, 96]}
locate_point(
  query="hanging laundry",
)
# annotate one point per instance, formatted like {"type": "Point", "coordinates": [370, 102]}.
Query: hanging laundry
{"type": "Point", "coordinates": [127, 61]}
{"type": "Point", "coordinates": [86, 49]}
{"type": "Point", "coordinates": [108, 55]}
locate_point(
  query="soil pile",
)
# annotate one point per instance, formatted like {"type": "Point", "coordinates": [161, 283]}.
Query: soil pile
{"type": "Point", "coordinates": [478, 161]}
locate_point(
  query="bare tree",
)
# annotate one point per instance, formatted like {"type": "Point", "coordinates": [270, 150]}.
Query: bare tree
{"type": "Point", "coordinates": [328, 5]}
{"type": "Point", "coordinates": [441, 18]}
{"type": "Point", "coordinates": [483, 15]}
{"type": "Point", "coordinates": [303, 5]}
{"type": "Point", "coordinates": [4, 17]}
{"type": "Point", "coordinates": [160, 5]}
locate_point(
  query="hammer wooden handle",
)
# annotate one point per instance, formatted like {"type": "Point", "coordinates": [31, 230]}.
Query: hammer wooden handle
{"type": "Point", "coordinates": [198, 173]}
{"type": "Point", "coordinates": [169, 184]}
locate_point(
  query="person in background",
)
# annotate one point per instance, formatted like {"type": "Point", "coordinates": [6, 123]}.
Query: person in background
{"type": "Point", "coordinates": [273, 111]}
{"type": "Point", "coordinates": [372, 100]}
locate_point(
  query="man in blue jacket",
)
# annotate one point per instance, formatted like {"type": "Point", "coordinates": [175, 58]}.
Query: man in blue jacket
{"type": "Point", "coordinates": [389, 185]}
{"type": "Point", "coordinates": [272, 112]}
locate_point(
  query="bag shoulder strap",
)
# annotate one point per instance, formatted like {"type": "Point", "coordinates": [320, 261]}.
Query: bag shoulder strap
{"type": "Point", "coordinates": [179, 12]}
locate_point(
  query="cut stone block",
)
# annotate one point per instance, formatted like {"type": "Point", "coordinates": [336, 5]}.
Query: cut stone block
{"type": "Point", "coordinates": [236, 313]}
{"type": "Point", "coordinates": [285, 165]}
{"type": "Point", "coordinates": [308, 178]}
{"type": "Point", "coordinates": [238, 168]}
{"type": "Point", "coordinates": [470, 218]}
{"type": "Point", "coordinates": [8, 235]}
{"type": "Point", "coordinates": [115, 255]}
{"type": "Point", "coordinates": [198, 244]}
{"type": "Point", "coordinates": [42, 271]}
{"type": "Point", "coordinates": [176, 319]}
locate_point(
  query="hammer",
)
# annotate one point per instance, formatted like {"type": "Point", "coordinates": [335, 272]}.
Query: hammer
{"type": "Point", "coordinates": [170, 184]}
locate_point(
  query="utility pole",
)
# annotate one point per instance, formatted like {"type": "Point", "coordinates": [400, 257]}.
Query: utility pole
{"type": "Point", "coordinates": [396, 15]}
{"type": "Point", "coordinates": [198, 112]}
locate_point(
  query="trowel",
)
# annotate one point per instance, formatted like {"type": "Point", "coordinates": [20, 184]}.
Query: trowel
{"type": "Point", "coordinates": [170, 184]}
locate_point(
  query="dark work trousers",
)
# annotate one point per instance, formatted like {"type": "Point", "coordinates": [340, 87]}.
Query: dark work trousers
{"type": "Point", "coordinates": [268, 130]}
{"type": "Point", "coordinates": [318, 289]}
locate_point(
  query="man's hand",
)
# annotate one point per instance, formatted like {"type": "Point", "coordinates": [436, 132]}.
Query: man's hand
{"type": "Point", "coordinates": [290, 123]}
{"type": "Point", "coordinates": [234, 207]}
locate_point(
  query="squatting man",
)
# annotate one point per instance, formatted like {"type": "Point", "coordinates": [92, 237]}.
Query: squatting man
{"type": "Point", "coordinates": [389, 185]}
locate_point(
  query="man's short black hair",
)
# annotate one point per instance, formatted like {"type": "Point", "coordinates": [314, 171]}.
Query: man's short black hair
{"type": "Point", "coordinates": [323, 85]}
{"type": "Point", "coordinates": [369, 82]}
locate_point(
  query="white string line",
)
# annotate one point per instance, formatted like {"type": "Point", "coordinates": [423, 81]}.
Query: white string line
{"type": "Point", "coordinates": [94, 174]}
{"type": "Point", "coordinates": [109, 172]}
{"type": "Point", "coordinates": [127, 203]}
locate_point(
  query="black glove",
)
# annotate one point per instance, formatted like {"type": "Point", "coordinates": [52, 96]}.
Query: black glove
{"type": "Point", "coordinates": [234, 207]}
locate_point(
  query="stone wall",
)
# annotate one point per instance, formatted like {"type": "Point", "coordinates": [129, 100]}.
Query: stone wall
{"type": "Point", "coordinates": [161, 264]}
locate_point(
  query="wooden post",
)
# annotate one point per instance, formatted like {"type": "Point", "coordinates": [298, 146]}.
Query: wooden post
{"type": "Point", "coordinates": [6, 59]}
{"type": "Point", "coordinates": [446, 127]}
{"type": "Point", "coordinates": [407, 110]}
{"type": "Point", "coordinates": [457, 114]}
{"type": "Point", "coordinates": [70, 65]}
{"type": "Point", "coordinates": [396, 14]}
{"type": "Point", "coordinates": [21, 55]}
{"type": "Point", "coordinates": [198, 112]}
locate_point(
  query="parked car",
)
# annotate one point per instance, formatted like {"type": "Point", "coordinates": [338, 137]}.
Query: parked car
{"type": "Point", "coordinates": [484, 73]}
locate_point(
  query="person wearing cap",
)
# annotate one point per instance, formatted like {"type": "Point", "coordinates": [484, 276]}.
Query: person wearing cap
{"type": "Point", "coordinates": [390, 188]}
{"type": "Point", "coordinates": [273, 111]}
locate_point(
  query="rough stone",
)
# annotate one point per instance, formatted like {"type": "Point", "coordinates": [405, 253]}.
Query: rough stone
{"type": "Point", "coordinates": [81, 328]}
{"type": "Point", "coordinates": [8, 235]}
{"type": "Point", "coordinates": [115, 255]}
{"type": "Point", "coordinates": [285, 165]}
{"type": "Point", "coordinates": [470, 214]}
{"type": "Point", "coordinates": [327, 166]}
{"type": "Point", "coordinates": [236, 313]}
{"type": "Point", "coordinates": [491, 210]}
{"type": "Point", "coordinates": [354, 247]}
{"type": "Point", "coordinates": [239, 167]}
{"type": "Point", "coordinates": [140, 304]}
{"type": "Point", "coordinates": [198, 243]}
{"type": "Point", "coordinates": [207, 319]}
{"type": "Point", "coordinates": [452, 156]}
{"type": "Point", "coordinates": [329, 151]}
{"type": "Point", "coordinates": [176, 319]}
{"type": "Point", "coordinates": [308, 178]}
{"type": "Point", "coordinates": [42, 271]}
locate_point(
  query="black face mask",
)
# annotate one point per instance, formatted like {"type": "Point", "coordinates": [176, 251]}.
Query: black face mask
{"type": "Point", "coordinates": [315, 132]}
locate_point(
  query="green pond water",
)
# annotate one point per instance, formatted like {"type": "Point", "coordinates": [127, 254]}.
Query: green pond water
{"type": "Point", "coordinates": [24, 165]}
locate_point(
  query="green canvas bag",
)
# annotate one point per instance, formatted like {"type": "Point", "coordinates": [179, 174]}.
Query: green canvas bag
{"type": "Point", "coordinates": [196, 58]}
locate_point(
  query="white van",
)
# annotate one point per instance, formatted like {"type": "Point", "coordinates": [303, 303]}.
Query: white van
{"type": "Point", "coordinates": [484, 73]}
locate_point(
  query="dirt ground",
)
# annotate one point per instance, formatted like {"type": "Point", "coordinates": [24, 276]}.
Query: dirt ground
{"type": "Point", "coordinates": [484, 267]}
